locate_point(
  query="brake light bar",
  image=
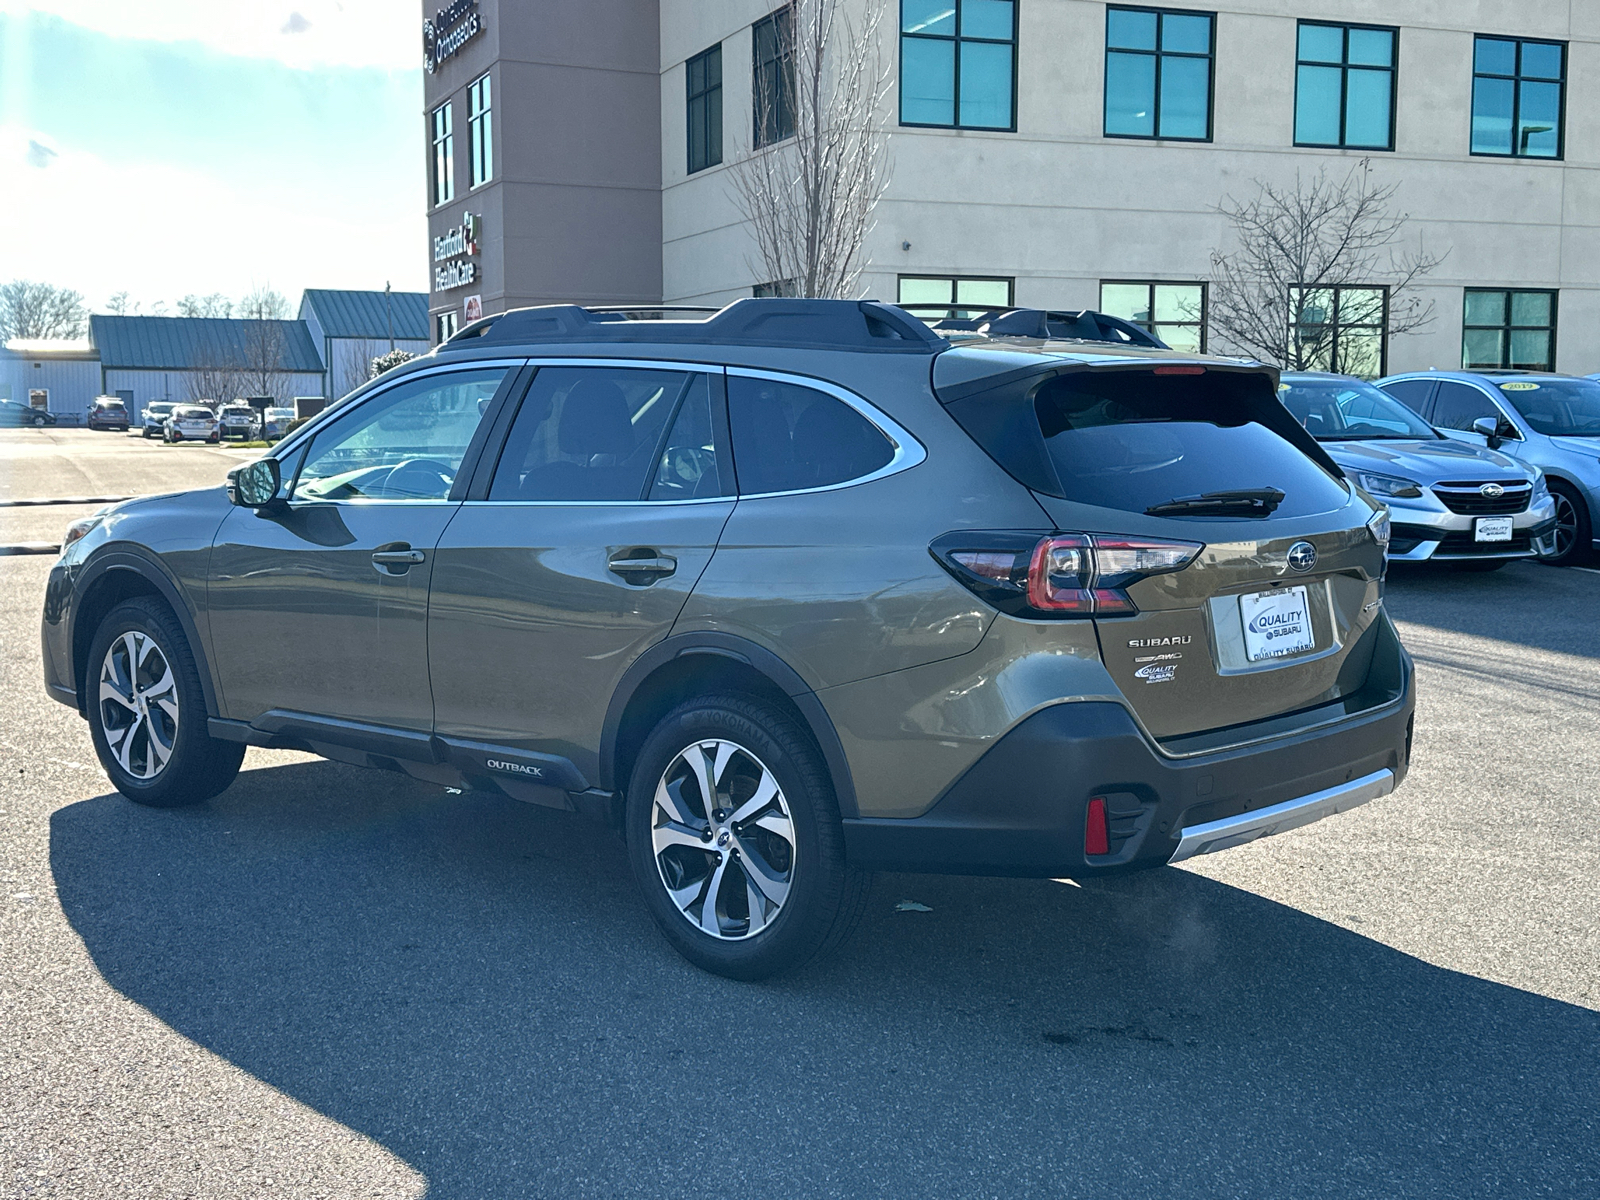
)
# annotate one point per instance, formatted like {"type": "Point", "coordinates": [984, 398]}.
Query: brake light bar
{"type": "Point", "coordinates": [1176, 369]}
{"type": "Point", "coordinates": [1059, 575]}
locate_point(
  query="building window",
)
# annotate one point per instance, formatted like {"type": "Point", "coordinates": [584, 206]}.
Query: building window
{"type": "Point", "coordinates": [705, 109]}
{"type": "Point", "coordinates": [1173, 312]}
{"type": "Point", "coordinates": [1518, 97]}
{"type": "Point", "coordinates": [942, 296]}
{"type": "Point", "coordinates": [1342, 329]}
{"type": "Point", "coordinates": [958, 63]}
{"type": "Point", "coordinates": [777, 288]}
{"type": "Point", "coordinates": [773, 79]}
{"type": "Point", "coordinates": [480, 132]}
{"type": "Point", "coordinates": [444, 156]}
{"type": "Point", "coordinates": [1344, 86]}
{"type": "Point", "coordinates": [446, 325]}
{"type": "Point", "coordinates": [1511, 330]}
{"type": "Point", "coordinates": [1158, 74]}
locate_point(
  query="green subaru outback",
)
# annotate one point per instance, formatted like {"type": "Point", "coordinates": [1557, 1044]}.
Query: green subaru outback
{"type": "Point", "coordinates": [785, 593]}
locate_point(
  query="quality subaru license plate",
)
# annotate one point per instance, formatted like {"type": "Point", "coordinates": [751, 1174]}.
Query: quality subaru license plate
{"type": "Point", "coordinates": [1492, 529]}
{"type": "Point", "coordinates": [1276, 623]}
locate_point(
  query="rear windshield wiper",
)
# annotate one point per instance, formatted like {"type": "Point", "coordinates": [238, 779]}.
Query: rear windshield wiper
{"type": "Point", "coordinates": [1247, 502]}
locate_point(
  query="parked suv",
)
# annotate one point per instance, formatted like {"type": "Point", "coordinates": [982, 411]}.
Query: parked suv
{"type": "Point", "coordinates": [153, 423]}
{"type": "Point", "coordinates": [1547, 421]}
{"type": "Point", "coordinates": [236, 420]}
{"type": "Point", "coordinates": [191, 423]}
{"type": "Point", "coordinates": [107, 412]}
{"type": "Point", "coordinates": [786, 593]}
{"type": "Point", "coordinates": [1448, 502]}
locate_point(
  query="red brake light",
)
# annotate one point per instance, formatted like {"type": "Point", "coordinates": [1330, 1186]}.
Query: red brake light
{"type": "Point", "coordinates": [1179, 370]}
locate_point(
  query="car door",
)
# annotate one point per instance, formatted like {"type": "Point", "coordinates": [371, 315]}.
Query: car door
{"type": "Point", "coordinates": [574, 554]}
{"type": "Point", "coordinates": [318, 605]}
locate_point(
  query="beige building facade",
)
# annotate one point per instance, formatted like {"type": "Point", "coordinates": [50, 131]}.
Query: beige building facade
{"type": "Point", "coordinates": [1067, 154]}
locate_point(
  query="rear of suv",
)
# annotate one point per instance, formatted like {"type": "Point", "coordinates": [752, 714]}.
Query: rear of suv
{"type": "Point", "coordinates": [786, 593]}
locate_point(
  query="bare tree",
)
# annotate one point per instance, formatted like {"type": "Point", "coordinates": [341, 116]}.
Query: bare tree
{"type": "Point", "coordinates": [1317, 279]}
{"type": "Point", "coordinates": [809, 198]}
{"type": "Point", "coordinates": [214, 379]}
{"type": "Point", "coordinates": [262, 303]}
{"type": "Point", "coordinates": [40, 310]}
{"type": "Point", "coordinates": [264, 349]}
{"type": "Point", "coordinates": [122, 305]}
{"type": "Point", "coordinates": [214, 305]}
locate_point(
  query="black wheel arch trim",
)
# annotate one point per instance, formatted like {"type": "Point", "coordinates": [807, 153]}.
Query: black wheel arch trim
{"type": "Point", "coordinates": [125, 557]}
{"type": "Point", "coordinates": [759, 659]}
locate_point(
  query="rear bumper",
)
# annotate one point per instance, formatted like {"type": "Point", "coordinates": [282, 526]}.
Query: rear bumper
{"type": "Point", "coordinates": [1021, 809]}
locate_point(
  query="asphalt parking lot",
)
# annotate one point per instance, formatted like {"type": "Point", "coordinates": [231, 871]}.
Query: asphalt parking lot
{"type": "Point", "coordinates": [334, 983]}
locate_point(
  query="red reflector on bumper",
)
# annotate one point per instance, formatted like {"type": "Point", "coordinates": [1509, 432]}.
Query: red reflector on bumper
{"type": "Point", "coordinates": [1095, 839]}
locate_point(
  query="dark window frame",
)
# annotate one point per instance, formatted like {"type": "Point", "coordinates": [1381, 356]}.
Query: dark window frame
{"type": "Point", "coordinates": [955, 279]}
{"type": "Point", "coordinates": [442, 137]}
{"type": "Point", "coordinates": [1152, 284]}
{"type": "Point", "coordinates": [705, 107]}
{"type": "Point", "coordinates": [781, 125]}
{"type": "Point", "coordinates": [1344, 81]}
{"type": "Point", "coordinates": [1507, 328]}
{"type": "Point", "coordinates": [1516, 79]}
{"type": "Point", "coordinates": [1158, 54]}
{"type": "Point", "coordinates": [956, 39]}
{"type": "Point", "coordinates": [480, 131]}
{"type": "Point", "coordinates": [1338, 325]}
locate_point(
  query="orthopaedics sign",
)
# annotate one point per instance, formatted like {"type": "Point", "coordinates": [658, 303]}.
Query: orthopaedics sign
{"type": "Point", "coordinates": [449, 29]}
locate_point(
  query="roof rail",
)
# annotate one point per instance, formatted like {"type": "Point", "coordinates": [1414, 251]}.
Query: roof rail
{"type": "Point", "coordinates": [1084, 325]}
{"type": "Point", "coordinates": [811, 324]}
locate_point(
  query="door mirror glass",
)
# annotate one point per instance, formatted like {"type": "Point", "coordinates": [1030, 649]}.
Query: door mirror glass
{"type": "Point", "coordinates": [254, 484]}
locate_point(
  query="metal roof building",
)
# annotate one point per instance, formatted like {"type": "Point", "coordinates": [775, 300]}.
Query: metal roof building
{"type": "Point", "coordinates": [350, 329]}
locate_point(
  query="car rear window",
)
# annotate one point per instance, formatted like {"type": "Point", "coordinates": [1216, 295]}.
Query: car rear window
{"type": "Point", "coordinates": [1137, 440]}
{"type": "Point", "coordinates": [788, 438]}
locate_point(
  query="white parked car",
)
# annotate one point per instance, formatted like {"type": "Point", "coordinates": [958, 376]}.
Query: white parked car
{"type": "Point", "coordinates": [237, 420]}
{"type": "Point", "coordinates": [191, 423]}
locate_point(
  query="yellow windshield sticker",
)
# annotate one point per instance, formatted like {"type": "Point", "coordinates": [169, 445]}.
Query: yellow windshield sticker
{"type": "Point", "coordinates": [1519, 386]}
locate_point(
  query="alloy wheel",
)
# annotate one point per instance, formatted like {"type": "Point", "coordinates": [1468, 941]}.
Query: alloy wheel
{"type": "Point", "coordinates": [723, 839]}
{"type": "Point", "coordinates": [138, 704]}
{"type": "Point", "coordinates": [1561, 538]}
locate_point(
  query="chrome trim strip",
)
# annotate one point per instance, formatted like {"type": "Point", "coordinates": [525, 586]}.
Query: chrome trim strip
{"type": "Point", "coordinates": [908, 452]}
{"type": "Point", "coordinates": [1291, 814]}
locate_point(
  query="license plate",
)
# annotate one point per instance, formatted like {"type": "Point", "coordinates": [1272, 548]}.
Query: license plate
{"type": "Point", "coordinates": [1491, 529]}
{"type": "Point", "coordinates": [1276, 623]}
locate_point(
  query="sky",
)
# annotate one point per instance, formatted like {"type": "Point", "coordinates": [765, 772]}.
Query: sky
{"type": "Point", "coordinates": [167, 147]}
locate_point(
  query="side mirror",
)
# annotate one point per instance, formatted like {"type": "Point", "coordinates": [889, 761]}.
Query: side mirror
{"type": "Point", "coordinates": [1489, 428]}
{"type": "Point", "coordinates": [255, 485]}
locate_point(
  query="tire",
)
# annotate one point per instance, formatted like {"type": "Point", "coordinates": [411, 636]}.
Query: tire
{"type": "Point", "coordinates": [39, 422]}
{"type": "Point", "coordinates": [808, 899]}
{"type": "Point", "coordinates": [129, 738]}
{"type": "Point", "coordinates": [1575, 527]}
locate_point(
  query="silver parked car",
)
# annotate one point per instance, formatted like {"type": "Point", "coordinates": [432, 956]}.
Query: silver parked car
{"type": "Point", "coordinates": [1449, 502]}
{"type": "Point", "coordinates": [153, 421]}
{"type": "Point", "coordinates": [1541, 419]}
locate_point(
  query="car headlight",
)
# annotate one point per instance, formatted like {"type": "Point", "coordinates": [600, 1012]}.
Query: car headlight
{"type": "Point", "coordinates": [1396, 486]}
{"type": "Point", "coordinates": [80, 529]}
{"type": "Point", "coordinates": [1378, 525]}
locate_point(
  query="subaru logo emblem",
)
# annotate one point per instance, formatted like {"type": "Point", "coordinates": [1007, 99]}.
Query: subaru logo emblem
{"type": "Point", "coordinates": [1492, 490]}
{"type": "Point", "coordinates": [1302, 556]}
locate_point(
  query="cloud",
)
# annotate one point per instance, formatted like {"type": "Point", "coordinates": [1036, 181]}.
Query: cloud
{"type": "Point", "coordinates": [162, 231]}
{"type": "Point", "coordinates": [39, 155]}
{"type": "Point", "coordinates": [346, 33]}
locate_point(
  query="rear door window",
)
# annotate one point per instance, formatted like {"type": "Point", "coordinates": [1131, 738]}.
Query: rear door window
{"type": "Point", "coordinates": [1136, 441]}
{"type": "Point", "coordinates": [788, 437]}
{"type": "Point", "coordinates": [1413, 393]}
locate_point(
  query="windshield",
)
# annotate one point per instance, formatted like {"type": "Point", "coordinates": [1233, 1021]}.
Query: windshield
{"type": "Point", "coordinates": [193, 414]}
{"type": "Point", "coordinates": [1348, 410]}
{"type": "Point", "coordinates": [1557, 407]}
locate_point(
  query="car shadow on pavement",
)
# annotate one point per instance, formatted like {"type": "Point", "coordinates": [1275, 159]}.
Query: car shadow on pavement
{"type": "Point", "coordinates": [473, 984]}
{"type": "Point", "coordinates": [1527, 603]}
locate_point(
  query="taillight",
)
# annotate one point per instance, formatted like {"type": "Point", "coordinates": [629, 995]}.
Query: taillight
{"type": "Point", "coordinates": [1061, 574]}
